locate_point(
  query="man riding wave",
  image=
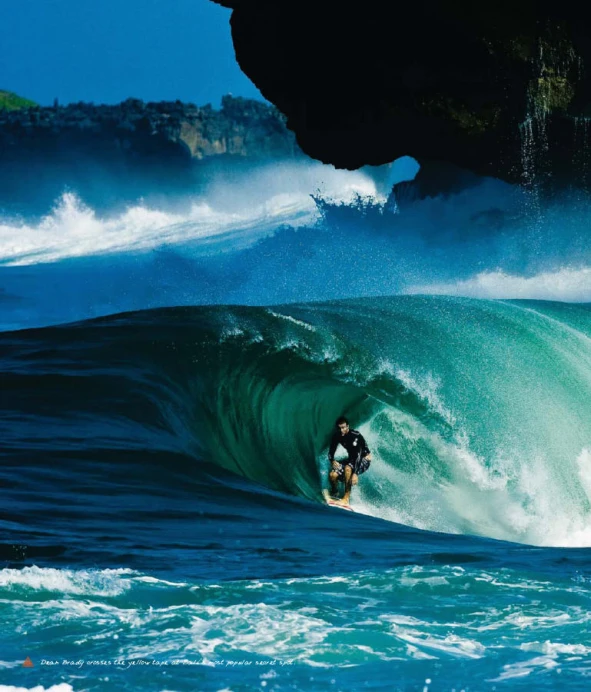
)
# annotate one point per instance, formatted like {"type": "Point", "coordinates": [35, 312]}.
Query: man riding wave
{"type": "Point", "coordinates": [357, 463]}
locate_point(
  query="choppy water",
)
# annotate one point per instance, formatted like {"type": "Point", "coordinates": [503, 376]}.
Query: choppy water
{"type": "Point", "coordinates": [161, 479]}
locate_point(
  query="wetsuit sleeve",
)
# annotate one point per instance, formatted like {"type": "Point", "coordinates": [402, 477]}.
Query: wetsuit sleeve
{"type": "Point", "coordinates": [364, 448]}
{"type": "Point", "coordinates": [334, 443]}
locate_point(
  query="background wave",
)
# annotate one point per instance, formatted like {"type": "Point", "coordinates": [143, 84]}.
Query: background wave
{"type": "Point", "coordinates": [233, 210]}
{"type": "Point", "coordinates": [284, 233]}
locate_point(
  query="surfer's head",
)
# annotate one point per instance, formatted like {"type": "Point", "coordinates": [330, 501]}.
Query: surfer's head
{"type": "Point", "coordinates": [343, 425]}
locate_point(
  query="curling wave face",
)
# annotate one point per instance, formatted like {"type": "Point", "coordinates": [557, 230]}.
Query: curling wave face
{"type": "Point", "coordinates": [477, 412]}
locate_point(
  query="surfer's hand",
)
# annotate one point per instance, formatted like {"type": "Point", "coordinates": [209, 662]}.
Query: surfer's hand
{"type": "Point", "coordinates": [335, 465]}
{"type": "Point", "coordinates": [368, 457]}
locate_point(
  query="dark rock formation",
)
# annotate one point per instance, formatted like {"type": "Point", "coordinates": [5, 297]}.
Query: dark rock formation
{"type": "Point", "coordinates": [500, 88]}
{"type": "Point", "coordinates": [434, 179]}
{"type": "Point", "coordinates": [125, 151]}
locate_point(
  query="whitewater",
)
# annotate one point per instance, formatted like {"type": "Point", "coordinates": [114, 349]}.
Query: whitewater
{"type": "Point", "coordinates": [263, 237]}
{"type": "Point", "coordinates": [170, 378]}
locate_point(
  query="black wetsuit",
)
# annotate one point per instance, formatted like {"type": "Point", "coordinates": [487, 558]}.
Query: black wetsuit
{"type": "Point", "coordinates": [356, 447]}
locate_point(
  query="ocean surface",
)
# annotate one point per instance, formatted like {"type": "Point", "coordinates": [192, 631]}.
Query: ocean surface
{"type": "Point", "coordinates": [162, 523]}
{"type": "Point", "coordinates": [170, 375]}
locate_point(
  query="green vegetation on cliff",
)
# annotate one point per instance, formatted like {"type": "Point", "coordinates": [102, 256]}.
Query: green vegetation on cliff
{"type": "Point", "coordinates": [12, 102]}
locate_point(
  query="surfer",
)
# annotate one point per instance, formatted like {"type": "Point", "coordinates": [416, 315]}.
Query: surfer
{"type": "Point", "coordinates": [358, 461]}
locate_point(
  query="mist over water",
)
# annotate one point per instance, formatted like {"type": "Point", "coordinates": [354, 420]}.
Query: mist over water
{"type": "Point", "coordinates": [289, 232]}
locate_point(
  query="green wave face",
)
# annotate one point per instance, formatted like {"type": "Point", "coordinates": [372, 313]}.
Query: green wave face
{"type": "Point", "coordinates": [478, 413]}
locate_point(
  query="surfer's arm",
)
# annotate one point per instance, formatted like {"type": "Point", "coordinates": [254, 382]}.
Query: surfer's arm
{"type": "Point", "coordinates": [334, 443]}
{"type": "Point", "coordinates": [365, 454]}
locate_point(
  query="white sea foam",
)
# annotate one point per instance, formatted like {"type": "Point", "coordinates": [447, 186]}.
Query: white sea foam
{"type": "Point", "coordinates": [107, 582]}
{"type": "Point", "coordinates": [74, 230]}
{"type": "Point", "coordinates": [524, 668]}
{"type": "Point", "coordinates": [554, 648]}
{"type": "Point", "coordinates": [403, 616]}
{"type": "Point", "coordinates": [293, 320]}
{"type": "Point", "coordinates": [229, 215]}
{"type": "Point", "coordinates": [442, 484]}
{"type": "Point", "coordinates": [568, 284]}
{"type": "Point", "coordinates": [62, 687]}
{"type": "Point", "coordinates": [584, 468]}
{"type": "Point", "coordinates": [450, 644]}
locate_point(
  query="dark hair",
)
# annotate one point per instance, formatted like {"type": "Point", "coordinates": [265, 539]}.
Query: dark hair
{"type": "Point", "coordinates": [341, 420]}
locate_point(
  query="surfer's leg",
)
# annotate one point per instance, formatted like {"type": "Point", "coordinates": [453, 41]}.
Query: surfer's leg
{"type": "Point", "coordinates": [348, 483]}
{"type": "Point", "coordinates": [333, 478]}
{"type": "Point", "coordinates": [362, 467]}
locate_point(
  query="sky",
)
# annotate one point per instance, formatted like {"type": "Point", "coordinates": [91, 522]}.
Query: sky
{"type": "Point", "coordinates": [105, 51]}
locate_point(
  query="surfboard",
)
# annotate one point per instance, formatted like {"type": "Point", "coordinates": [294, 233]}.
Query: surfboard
{"type": "Point", "coordinates": [334, 503]}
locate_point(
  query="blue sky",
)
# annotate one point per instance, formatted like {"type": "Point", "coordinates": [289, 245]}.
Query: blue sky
{"type": "Point", "coordinates": [108, 50]}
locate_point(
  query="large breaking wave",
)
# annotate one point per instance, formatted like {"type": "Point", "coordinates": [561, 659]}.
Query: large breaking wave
{"type": "Point", "coordinates": [477, 412]}
{"type": "Point", "coordinates": [290, 233]}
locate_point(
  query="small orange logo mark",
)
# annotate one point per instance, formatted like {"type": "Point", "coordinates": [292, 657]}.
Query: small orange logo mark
{"type": "Point", "coordinates": [28, 663]}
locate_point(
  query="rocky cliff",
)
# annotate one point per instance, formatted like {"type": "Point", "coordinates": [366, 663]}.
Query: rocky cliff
{"type": "Point", "coordinates": [242, 127]}
{"type": "Point", "coordinates": [118, 153]}
{"type": "Point", "coordinates": [500, 88]}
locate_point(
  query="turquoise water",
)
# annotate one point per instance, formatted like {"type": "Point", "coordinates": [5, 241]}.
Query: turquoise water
{"type": "Point", "coordinates": [163, 524]}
